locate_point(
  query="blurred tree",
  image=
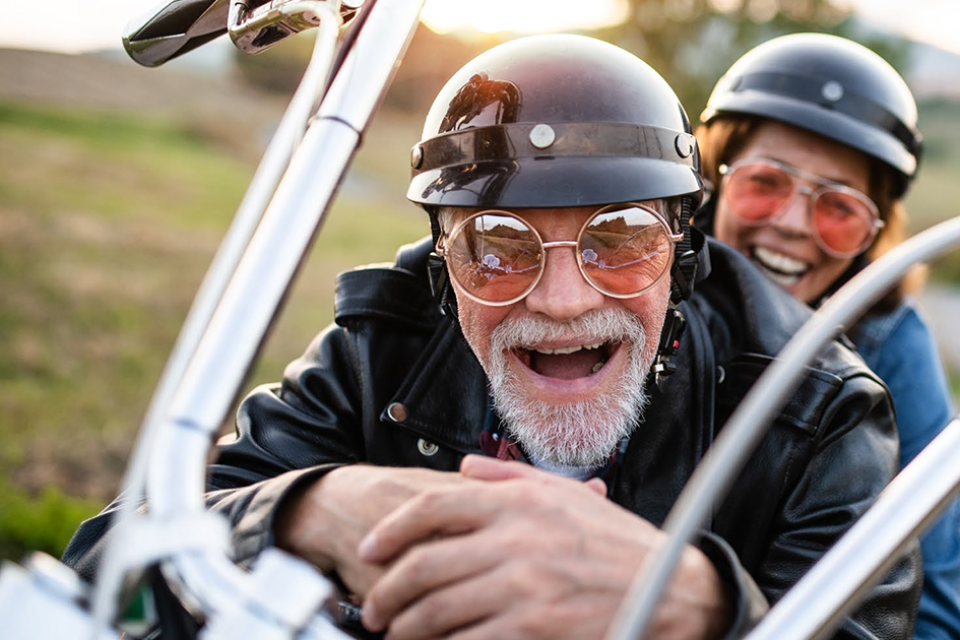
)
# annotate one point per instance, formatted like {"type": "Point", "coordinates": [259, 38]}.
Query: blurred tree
{"type": "Point", "coordinates": [430, 60]}
{"type": "Point", "coordinates": [690, 42]}
{"type": "Point", "coordinates": [693, 42]}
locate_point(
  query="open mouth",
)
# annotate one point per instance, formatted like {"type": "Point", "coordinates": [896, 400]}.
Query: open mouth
{"type": "Point", "coordinates": [567, 362]}
{"type": "Point", "coordinates": [780, 268]}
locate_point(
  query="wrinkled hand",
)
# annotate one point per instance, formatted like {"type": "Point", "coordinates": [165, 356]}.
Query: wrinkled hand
{"type": "Point", "coordinates": [326, 521]}
{"type": "Point", "coordinates": [525, 554]}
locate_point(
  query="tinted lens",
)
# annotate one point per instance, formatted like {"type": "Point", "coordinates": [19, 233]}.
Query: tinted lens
{"type": "Point", "coordinates": [755, 192]}
{"type": "Point", "coordinates": [624, 252]}
{"type": "Point", "coordinates": [495, 257]}
{"type": "Point", "coordinates": [843, 221]}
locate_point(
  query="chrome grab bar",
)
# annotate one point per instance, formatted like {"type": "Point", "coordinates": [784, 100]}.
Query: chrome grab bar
{"type": "Point", "coordinates": [739, 437]}
{"type": "Point", "coordinates": [860, 558]}
{"type": "Point", "coordinates": [232, 248]}
{"type": "Point", "coordinates": [251, 300]}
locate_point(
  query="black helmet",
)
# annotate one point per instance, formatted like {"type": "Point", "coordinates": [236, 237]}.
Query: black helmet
{"type": "Point", "coordinates": [831, 86]}
{"type": "Point", "coordinates": [554, 121]}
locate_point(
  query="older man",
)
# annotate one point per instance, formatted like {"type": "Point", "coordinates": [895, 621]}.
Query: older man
{"type": "Point", "coordinates": [526, 365]}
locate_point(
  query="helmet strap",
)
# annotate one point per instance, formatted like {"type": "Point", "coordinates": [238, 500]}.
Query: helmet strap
{"type": "Point", "coordinates": [691, 262]}
{"type": "Point", "coordinates": [673, 327]}
{"type": "Point", "coordinates": [691, 265]}
{"type": "Point", "coordinates": [440, 287]}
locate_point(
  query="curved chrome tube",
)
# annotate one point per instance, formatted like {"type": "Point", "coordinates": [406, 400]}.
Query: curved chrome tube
{"type": "Point", "coordinates": [740, 436]}
{"type": "Point", "coordinates": [252, 297]}
{"type": "Point", "coordinates": [861, 557]}
{"type": "Point", "coordinates": [224, 264]}
{"type": "Point", "coordinates": [231, 250]}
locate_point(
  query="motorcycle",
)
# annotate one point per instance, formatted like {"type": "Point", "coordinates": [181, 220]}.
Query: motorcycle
{"type": "Point", "coordinates": [358, 48]}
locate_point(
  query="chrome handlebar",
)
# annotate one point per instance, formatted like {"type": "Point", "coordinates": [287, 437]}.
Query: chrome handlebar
{"type": "Point", "coordinates": [741, 434]}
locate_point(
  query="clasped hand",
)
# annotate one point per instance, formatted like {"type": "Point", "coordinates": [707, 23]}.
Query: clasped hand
{"type": "Point", "coordinates": [498, 551]}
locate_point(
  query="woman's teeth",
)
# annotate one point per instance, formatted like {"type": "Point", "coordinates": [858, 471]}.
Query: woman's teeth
{"type": "Point", "coordinates": [780, 268]}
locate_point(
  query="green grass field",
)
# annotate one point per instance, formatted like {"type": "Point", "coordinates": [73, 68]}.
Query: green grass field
{"type": "Point", "coordinates": [107, 224]}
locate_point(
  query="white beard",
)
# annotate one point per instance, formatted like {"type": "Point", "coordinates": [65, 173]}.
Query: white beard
{"type": "Point", "coordinates": [578, 434]}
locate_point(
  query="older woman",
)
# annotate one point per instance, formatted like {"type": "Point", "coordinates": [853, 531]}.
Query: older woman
{"type": "Point", "coordinates": [810, 142]}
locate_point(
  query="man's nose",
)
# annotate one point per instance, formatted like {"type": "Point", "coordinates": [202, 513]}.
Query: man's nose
{"type": "Point", "coordinates": [562, 293]}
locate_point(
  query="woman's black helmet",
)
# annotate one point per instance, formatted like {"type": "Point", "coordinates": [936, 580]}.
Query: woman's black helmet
{"type": "Point", "coordinates": [831, 86]}
{"type": "Point", "coordinates": [554, 121]}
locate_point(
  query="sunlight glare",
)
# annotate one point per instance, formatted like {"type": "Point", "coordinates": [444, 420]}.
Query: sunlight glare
{"type": "Point", "coordinates": [523, 16]}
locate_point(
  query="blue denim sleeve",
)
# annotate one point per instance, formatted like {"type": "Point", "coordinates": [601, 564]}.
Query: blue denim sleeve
{"type": "Point", "coordinates": [899, 347]}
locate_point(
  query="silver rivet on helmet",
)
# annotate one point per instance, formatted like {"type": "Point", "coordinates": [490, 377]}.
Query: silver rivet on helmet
{"type": "Point", "coordinates": [542, 136]}
{"type": "Point", "coordinates": [684, 145]}
{"type": "Point", "coordinates": [416, 156]}
{"type": "Point", "coordinates": [832, 91]}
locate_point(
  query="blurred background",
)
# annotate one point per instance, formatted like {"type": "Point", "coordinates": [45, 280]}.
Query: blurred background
{"type": "Point", "coordinates": [117, 183]}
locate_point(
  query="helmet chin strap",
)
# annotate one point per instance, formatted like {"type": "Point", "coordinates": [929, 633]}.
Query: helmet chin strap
{"type": "Point", "coordinates": [440, 285]}
{"type": "Point", "coordinates": [674, 325]}
{"type": "Point", "coordinates": [691, 264]}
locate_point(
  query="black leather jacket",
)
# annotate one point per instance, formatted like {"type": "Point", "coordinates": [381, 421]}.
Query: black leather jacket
{"type": "Point", "coordinates": [394, 383]}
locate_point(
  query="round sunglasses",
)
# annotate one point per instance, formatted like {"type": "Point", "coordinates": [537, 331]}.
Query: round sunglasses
{"type": "Point", "coordinates": [497, 258]}
{"type": "Point", "coordinates": [759, 190]}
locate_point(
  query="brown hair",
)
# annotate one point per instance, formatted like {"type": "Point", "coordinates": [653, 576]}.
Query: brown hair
{"type": "Point", "coordinates": [727, 135]}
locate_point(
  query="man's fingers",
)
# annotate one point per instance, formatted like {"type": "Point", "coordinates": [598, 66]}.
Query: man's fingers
{"type": "Point", "coordinates": [504, 603]}
{"type": "Point", "coordinates": [426, 568]}
{"type": "Point", "coordinates": [461, 604]}
{"type": "Point", "coordinates": [486, 468]}
{"type": "Point", "coordinates": [442, 512]}
{"type": "Point", "coordinates": [597, 485]}
{"type": "Point", "coordinates": [490, 469]}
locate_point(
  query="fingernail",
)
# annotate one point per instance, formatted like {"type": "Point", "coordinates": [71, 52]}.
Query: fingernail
{"type": "Point", "coordinates": [367, 546]}
{"type": "Point", "coordinates": [369, 617]}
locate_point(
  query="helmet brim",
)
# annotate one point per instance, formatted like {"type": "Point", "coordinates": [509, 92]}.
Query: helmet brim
{"type": "Point", "coordinates": [554, 182]}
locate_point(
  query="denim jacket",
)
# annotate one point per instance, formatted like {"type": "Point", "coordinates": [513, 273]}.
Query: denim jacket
{"type": "Point", "coordinates": [900, 349]}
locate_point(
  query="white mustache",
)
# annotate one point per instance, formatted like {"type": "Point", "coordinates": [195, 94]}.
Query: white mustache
{"type": "Point", "coordinates": [599, 325]}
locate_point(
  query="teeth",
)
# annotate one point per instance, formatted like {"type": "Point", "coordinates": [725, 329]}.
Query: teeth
{"type": "Point", "coordinates": [779, 278]}
{"type": "Point", "coordinates": [562, 351]}
{"type": "Point", "coordinates": [782, 264]}
{"type": "Point", "coordinates": [597, 367]}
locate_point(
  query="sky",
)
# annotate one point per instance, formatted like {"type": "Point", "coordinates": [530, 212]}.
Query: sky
{"type": "Point", "coordinates": [83, 25]}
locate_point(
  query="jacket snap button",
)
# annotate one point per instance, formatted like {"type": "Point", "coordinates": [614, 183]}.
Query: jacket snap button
{"type": "Point", "coordinates": [721, 375]}
{"type": "Point", "coordinates": [427, 448]}
{"type": "Point", "coordinates": [397, 412]}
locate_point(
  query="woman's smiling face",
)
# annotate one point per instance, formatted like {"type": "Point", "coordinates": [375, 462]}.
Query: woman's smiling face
{"type": "Point", "coordinates": [786, 248]}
